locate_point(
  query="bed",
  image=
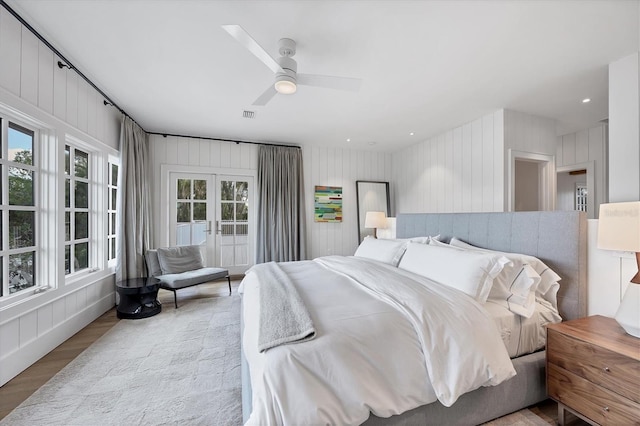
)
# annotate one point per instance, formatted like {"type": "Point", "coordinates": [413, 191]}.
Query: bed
{"type": "Point", "coordinates": [556, 238]}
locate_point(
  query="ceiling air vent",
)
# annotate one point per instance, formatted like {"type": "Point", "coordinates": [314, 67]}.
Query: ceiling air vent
{"type": "Point", "coordinates": [248, 114]}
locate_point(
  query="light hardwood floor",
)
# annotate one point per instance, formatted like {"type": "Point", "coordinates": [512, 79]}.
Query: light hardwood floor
{"type": "Point", "coordinates": [14, 392]}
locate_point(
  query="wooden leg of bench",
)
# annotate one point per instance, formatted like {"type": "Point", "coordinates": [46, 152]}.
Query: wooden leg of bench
{"type": "Point", "coordinates": [175, 298]}
{"type": "Point", "coordinates": [229, 279]}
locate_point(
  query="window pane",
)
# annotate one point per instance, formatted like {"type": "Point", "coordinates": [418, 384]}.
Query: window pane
{"type": "Point", "coordinates": [67, 260]}
{"type": "Point", "coordinates": [82, 256]}
{"type": "Point", "coordinates": [21, 267]}
{"type": "Point", "coordinates": [67, 159]}
{"type": "Point", "coordinates": [242, 191]}
{"type": "Point", "coordinates": [21, 229]}
{"type": "Point", "coordinates": [20, 144]}
{"type": "Point", "coordinates": [81, 164]}
{"type": "Point", "coordinates": [199, 189]}
{"type": "Point", "coordinates": [67, 193]}
{"type": "Point", "coordinates": [82, 195]}
{"type": "Point", "coordinates": [184, 212]}
{"type": "Point", "coordinates": [82, 225]}
{"type": "Point", "coordinates": [184, 189]}
{"type": "Point", "coordinates": [227, 211]}
{"type": "Point", "coordinates": [114, 174]}
{"type": "Point", "coordinates": [67, 226]}
{"type": "Point", "coordinates": [226, 190]}
{"type": "Point", "coordinates": [113, 224]}
{"type": "Point", "coordinates": [1, 278]}
{"type": "Point", "coordinates": [113, 249]}
{"type": "Point", "coordinates": [199, 211]}
{"type": "Point", "coordinates": [242, 211]}
{"type": "Point", "coordinates": [114, 195]}
{"type": "Point", "coordinates": [20, 187]}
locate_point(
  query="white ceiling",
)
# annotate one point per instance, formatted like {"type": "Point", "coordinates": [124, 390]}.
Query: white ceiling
{"type": "Point", "coordinates": [426, 66]}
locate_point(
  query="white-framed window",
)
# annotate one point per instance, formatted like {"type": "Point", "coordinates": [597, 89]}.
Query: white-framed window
{"type": "Point", "coordinates": [112, 185]}
{"type": "Point", "coordinates": [77, 209]}
{"type": "Point", "coordinates": [581, 197]}
{"type": "Point", "coordinates": [19, 213]}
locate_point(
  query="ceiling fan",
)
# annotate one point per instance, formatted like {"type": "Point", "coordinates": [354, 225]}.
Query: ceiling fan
{"type": "Point", "coordinates": [286, 69]}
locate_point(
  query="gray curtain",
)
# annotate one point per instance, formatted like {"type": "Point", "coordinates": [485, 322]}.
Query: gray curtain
{"type": "Point", "coordinates": [134, 203]}
{"type": "Point", "coordinates": [281, 213]}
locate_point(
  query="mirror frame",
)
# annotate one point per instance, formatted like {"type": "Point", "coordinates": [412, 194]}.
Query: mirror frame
{"type": "Point", "coordinates": [388, 203]}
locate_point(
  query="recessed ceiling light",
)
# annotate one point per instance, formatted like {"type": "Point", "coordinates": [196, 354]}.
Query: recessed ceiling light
{"type": "Point", "coordinates": [348, 139]}
{"type": "Point", "coordinates": [411, 134]}
{"type": "Point", "coordinates": [586, 100]}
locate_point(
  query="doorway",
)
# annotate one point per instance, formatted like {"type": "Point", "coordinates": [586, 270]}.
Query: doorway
{"type": "Point", "coordinates": [532, 182]}
{"type": "Point", "coordinates": [576, 189]}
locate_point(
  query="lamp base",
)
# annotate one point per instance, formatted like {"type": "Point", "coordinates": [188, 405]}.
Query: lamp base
{"type": "Point", "coordinates": [628, 315]}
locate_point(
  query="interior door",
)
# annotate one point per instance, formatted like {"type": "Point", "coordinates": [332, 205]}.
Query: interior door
{"type": "Point", "coordinates": [234, 223]}
{"type": "Point", "coordinates": [192, 212]}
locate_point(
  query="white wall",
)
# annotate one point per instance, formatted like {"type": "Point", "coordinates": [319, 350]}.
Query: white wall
{"type": "Point", "coordinates": [340, 167]}
{"type": "Point", "coordinates": [582, 147]}
{"type": "Point", "coordinates": [32, 83]}
{"type": "Point", "coordinates": [322, 166]}
{"type": "Point", "coordinates": [624, 129]}
{"type": "Point", "coordinates": [461, 170]}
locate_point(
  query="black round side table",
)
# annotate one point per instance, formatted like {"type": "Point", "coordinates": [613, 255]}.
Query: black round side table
{"type": "Point", "coordinates": [138, 298]}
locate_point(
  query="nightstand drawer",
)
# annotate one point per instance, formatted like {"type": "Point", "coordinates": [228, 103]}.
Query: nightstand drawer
{"type": "Point", "coordinates": [603, 367]}
{"type": "Point", "coordinates": [599, 404]}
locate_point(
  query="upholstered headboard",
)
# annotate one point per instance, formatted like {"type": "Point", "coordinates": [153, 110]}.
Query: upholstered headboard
{"type": "Point", "coordinates": [557, 238]}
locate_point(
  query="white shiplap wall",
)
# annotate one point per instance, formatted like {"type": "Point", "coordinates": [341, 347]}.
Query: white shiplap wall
{"type": "Point", "coordinates": [461, 170]}
{"type": "Point", "coordinates": [322, 166]}
{"type": "Point", "coordinates": [32, 83]}
{"type": "Point", "coordinates": [339, 167]}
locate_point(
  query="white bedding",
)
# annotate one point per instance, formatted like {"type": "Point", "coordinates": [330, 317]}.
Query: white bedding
{"type": "Point", "coordinates": [373, 324]}
{"type": "Point", "coordinates": [522, 335]}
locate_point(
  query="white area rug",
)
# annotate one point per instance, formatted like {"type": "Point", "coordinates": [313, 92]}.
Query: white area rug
{"type": "Point", "coordinates": [181, 366]}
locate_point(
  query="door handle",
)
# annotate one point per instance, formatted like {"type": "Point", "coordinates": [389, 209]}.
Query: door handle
{"type": "Point", "coordinates": [218, 227]}
{"type": "Point", "coordinates": [208, 230]}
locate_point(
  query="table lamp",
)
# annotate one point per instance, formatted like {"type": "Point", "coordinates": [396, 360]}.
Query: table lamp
{"type": "Point", "coordinates": [375, 220]}
{"type": "Point", "coordinates": [619, 229]}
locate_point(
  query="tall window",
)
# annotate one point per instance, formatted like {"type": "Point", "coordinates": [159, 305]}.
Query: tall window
{"type": "Point", "coordinates": [18, 246]}
{"type": "Point", "coordinates": [77, 184]}
{"type": "Point", "coordinates": [111, 211]}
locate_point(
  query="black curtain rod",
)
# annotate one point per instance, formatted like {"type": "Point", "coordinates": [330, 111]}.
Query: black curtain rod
{"type": "Point", "coordinates": [68, 64]}
{"type": "Point", "coordinates": [223, 140]}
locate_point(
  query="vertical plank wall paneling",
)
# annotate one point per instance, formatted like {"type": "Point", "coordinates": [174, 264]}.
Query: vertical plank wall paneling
{"type": "Point", "coordinates": [454, 171]}
{"type": "Point", "coordinates": [322, 166]}
{"type": "Point", "coordinates": [32, 83]}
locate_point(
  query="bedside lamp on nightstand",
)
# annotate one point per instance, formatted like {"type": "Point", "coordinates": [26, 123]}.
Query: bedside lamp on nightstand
{"type": "Point", "coordinates": [375, 220]}
{"type": "Point", "coordinates": [619, 229]}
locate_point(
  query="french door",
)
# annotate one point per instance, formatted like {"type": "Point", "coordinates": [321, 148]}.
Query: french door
{"type": "Point", "coordinates": [214, 212]}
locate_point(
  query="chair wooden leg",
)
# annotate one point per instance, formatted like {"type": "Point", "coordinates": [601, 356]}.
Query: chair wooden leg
{"type": "Point", "coordinates": [229, 279]}
{"type": "Point", "coordinates": [175, 298]}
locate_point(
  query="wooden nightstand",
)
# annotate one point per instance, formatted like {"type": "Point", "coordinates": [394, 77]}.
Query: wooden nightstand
{"type": "Point", "coordinates": [593, 369]}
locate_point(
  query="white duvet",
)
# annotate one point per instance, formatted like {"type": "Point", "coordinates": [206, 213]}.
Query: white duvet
{"type": "Point", "coordinates": [387, 341]}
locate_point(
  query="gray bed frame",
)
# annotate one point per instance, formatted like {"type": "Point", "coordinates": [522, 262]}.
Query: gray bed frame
{"type": "Point", "coordinates": [559, 239]}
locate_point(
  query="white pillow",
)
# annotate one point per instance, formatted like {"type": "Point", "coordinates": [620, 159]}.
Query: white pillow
{"type": "Point", "coordinates": [468, 271]}
{"type": "Point", "coordinates": [421, 240]}
{"type": "Point", "coordinates": [387, 251]}
{"type": "Point", "coordinates": [548, 287]}
{"type": "Point", "coordinates": [516, 284]}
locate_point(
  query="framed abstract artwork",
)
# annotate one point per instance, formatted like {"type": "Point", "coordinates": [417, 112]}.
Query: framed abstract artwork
{"type": "Point", "coordinates": [328, 203]}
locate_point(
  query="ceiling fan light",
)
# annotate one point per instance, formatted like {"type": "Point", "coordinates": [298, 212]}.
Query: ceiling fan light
{"type": "Point", "coordinates": [285, 85]}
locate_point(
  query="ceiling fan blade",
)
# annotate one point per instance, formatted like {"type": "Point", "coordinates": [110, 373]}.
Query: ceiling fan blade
{"type": "Point", "coordinates": [266, 96]}
{"type": "Point", "coordinates": [330, 82]}
{"type": "Point", "coordinates": [237, 32]}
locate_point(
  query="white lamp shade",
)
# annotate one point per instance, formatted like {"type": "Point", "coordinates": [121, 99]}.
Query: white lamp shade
{"type": "Point", "coordinates": [375, 220]}
{"type": "Point", "coordinates": [619, 226]}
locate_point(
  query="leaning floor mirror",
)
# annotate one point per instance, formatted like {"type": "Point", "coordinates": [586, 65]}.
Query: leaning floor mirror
{"type": "Point", "coordinates": [372, 196]}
